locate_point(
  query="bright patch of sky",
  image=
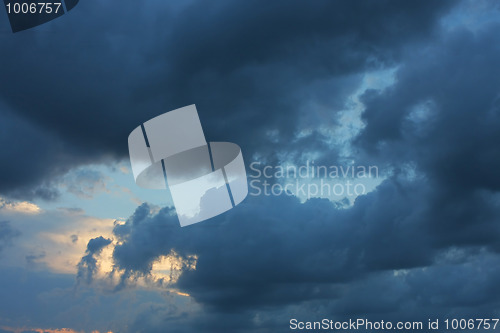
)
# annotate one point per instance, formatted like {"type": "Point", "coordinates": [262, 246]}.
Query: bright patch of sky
{"type": "Point", "coordinates": [105, 192]}
{"type": "Point", "coordinates": [338, 128]}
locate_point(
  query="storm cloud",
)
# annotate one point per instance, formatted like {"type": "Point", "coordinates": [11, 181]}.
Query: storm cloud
{"type": "Point", "coordinates": [279, 79]}
{"type": "Point", "coordinates": [80, 93]}
{"type": "Point", "coordinates": [434, 216]}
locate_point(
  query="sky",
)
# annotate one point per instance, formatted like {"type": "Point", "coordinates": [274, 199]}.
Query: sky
{"type": "Point", "coordinates": [411, 88]}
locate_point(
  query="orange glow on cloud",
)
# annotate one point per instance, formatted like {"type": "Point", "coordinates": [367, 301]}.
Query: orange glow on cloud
{"type": "Point", "coordinates": [44, 330]}
{"type": "Point", "coordinates": [182, 294]}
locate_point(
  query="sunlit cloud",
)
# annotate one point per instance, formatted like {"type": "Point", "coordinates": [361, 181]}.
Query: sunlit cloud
{"type": "Point", "coordinates": [21, 207]}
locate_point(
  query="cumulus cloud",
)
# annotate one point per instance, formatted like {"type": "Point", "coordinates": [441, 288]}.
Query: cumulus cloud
{"type": "Point", "coordinates": [87, 267]}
